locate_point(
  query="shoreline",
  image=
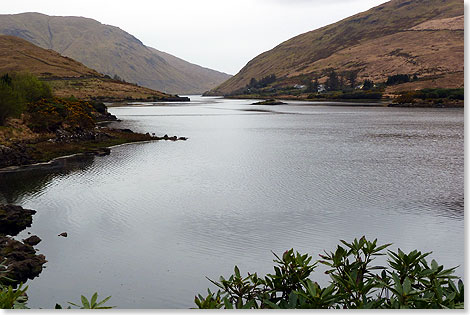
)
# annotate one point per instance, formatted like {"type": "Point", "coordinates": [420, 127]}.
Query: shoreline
{"type": "Point", "coordinates": [54, 161]}
{"type": "Point", "coordinates": [46, 154]}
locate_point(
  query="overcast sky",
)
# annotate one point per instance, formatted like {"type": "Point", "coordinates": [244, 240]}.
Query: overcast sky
{"type": "Point", "coordinates": [219, 34]}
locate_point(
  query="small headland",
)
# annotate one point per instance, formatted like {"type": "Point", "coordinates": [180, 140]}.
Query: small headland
{"type": "Point", "coordinates": [53, 128]}
{"type": "Point", "coordinates": [269, 102]}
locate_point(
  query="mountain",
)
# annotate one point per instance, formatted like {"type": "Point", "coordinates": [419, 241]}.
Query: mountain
{"type": "Point", "coordinates": [423, 37]}
{"type": "Point", "coordinates": [111, 51]}
{"type": "Point", "coordinates": [66, 76]}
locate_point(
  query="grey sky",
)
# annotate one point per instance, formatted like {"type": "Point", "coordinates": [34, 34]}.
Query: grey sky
{"type": "Point", "coordinates": [219, 34]}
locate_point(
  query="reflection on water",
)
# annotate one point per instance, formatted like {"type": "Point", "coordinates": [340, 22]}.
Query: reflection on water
{"type": "Point", "coordinates": [147, 223]}
{"type": "Point", "coordinates": [31, 180]}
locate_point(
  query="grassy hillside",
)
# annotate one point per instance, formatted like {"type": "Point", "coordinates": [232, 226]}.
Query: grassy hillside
{"type": "Point", "coordinates": [111, 51]}
{"type": "Point", "coordinates": [66, 76]}
{"type": "Point", "coordinates": [423, 37]}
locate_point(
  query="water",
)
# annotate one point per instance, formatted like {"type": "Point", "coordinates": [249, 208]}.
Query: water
{"type": "Point", "coordinates": [147, 223]}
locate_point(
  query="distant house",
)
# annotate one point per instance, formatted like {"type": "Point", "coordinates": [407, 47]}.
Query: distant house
{"type": "Point", "coordinates": [321, 88]}
{"type": "Point", "coordinates": [299, 87]}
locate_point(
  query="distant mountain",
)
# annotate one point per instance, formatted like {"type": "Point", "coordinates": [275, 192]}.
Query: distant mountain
{"type": "Point", "coordinates": [423, 37]}
{"type": "Point", "coordinates": [66, 76]}
{"type": "Point", "coordinates": [111, 51]}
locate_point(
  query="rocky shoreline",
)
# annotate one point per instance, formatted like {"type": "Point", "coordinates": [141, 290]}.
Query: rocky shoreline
{"type": "Point", "coordinates": [65, 143]}
{"type": "Point", "coordinates": [19, 258]}
{"type": "Point", "coordinates": [269, 102]}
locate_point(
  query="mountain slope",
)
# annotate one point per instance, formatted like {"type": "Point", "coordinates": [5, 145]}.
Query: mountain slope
{"type": "Point", "coordinates": [111, 51]}
{"type": "Point", "coordinates": [66, 76]}
{"type": "Point", "coordinates": [401, 36]}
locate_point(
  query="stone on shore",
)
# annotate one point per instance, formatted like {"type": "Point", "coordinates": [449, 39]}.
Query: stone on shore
{"type": "Point", "coordinates": [21, 260]}
{"type": "Point", "coordinates": [14, 219]}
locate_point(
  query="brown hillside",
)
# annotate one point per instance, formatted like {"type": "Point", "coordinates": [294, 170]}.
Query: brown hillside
{"type": "Point", "coordinates": [67, 76]}
{"type": "Point", "coordinates": [18, 55]}
{"type": "Point", "coordinates": [111, 51]}
{"type": "Point", "coordinates": [400, 36]}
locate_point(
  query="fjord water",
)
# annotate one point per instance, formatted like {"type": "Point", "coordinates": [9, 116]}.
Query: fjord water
{"type": "Point", "coordinates": [147, 223]}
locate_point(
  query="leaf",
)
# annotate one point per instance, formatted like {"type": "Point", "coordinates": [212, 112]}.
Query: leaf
{"type": "Point", "coordinates": [74, 304]}
{"type": "Point", "coordinates": [292, 300]}
{"type": "Point", "coordinates": [237, 271]}
{"type": "Point", "coordinates": [407, 285]}
{"type": "Point", "coordinates": [85, 303]}
{"type": "Point", "coordinates": [378, 249]}
{"type": "Point", "coordinates": [104, 301]}
{"type": "Point", "coordinates": [227, 304]}
{"type": "Point", "coordinates": [271, 304]}
{"type": "Point", "coordinates": [93, 299]}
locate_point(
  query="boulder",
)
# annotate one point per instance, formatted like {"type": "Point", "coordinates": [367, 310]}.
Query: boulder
{"type": "Point", "coordinates": [32, 240]}
{"type": "Point", "coordinates": [14, 219]}
{"type": "Point", "coordinates": [21, 260]}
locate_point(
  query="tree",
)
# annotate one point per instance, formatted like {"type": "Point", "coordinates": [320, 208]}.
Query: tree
{"type": "Point", "coordinates": [368, 84]}
{"type": "Point", "coordinates": [316, 85]}
{"type": "Point", "coordinates": [332, 83]}
{"type": "Point", "coordinates": [352, 77]}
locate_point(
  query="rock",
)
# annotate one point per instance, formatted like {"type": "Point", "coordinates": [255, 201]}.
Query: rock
{"type": "Point", "coordinates": [269, 102]}
{"type": "Point", "coordinates": [63, 234]}
{"type": "Point", "coordinates": [32, 240]}
{"type": "Point", "coordinates": [183, 138]}
{"type": "Point", "coordinates": [15, 154]}
{"type": "Point", "coordinates": [103, 152]}
{"type": "Point", "coordinates": [14, 219]}
{"type": "Point", "coordinates": [22, 261]}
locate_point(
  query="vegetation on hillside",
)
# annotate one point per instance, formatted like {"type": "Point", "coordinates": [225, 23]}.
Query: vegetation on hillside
{"type": "Point", "coordinates": [409, 281]}
{"type": "Point", "coordinates": [68, 77]}
{"type": "Point", "coordinates": [337, 86]}
{"type": "Point", "coordinates": [49, 126]}
{"type": "Point", "coordinates": [375, 44]}
{"type": "Point", "coordinates": [432, 96]}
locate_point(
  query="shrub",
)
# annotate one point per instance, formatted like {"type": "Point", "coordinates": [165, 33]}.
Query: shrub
{"type": "Point", "coordinates": [52, 114]}
{"type": "Point", "coordinates": [30, 87]}
{"type": "Point", "coordinates": [397, 79]}
{"type": "Point", "coordinates": [408, 98]}
{"type": "Point", "coordinates": [408, 282]}
{"type": "Point", "coordinates": [18, 89]}
{"type": "Point", "coordinates": [11, 102]}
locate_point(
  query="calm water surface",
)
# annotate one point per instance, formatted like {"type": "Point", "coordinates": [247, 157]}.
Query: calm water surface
{"type": "Point", "coordinates": [147, 223]}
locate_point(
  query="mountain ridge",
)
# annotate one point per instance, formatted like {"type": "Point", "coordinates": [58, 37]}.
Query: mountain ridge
{"type": "Point", "coordinates": [66, 76]}
{"type": "Point", "coordinates": [304, 55]}
{"type": "Point", "coordinates": [112, 51]}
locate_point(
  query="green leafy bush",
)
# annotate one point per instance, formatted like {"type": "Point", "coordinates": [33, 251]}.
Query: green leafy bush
{"type": "Point", "coordinates": [31, 87]}
{"type": "Point", "coordinates": [89, 304]}
{"type": "Point", "coordinates": [11, 102]}
{"type": "Point", "coordinates": [17, 90]}
{"type": "Point", "coordinates": [408, 282]}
